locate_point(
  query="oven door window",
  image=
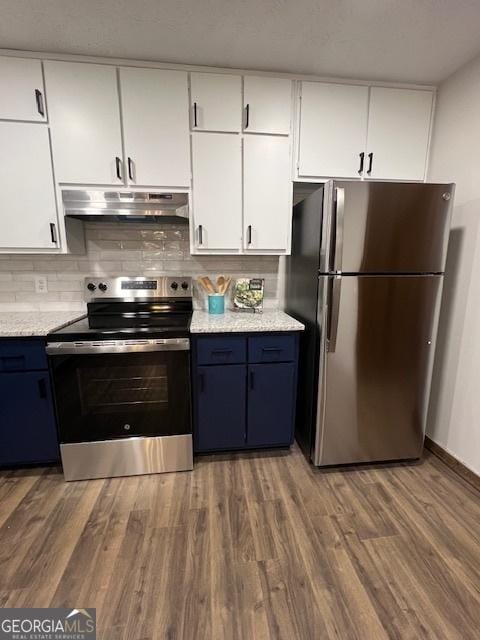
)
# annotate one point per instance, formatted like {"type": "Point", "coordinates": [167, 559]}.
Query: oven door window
{"type": "Point", "coordinates": [106, 396]}
{"type": "Point", "coordinates": [120, 389]}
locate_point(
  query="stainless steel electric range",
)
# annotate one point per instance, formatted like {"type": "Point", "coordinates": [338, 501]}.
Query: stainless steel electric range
{"type": "Point", "coordinates": [122, 379]}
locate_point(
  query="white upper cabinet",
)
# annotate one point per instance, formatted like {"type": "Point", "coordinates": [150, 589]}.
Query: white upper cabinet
{"type": "Point", "coordinates": [217, 191]}
{"type": "Point", "coordinates": [267, 193]}
{"type": "Point", "coordinates": [333, 129]}
{"type": "Point", "coordinates": [267, 105]}
{"type": "Point", "coordinates": [216, 102]}
{"type": "Point", "coordinates": [28, 212]}
{"type": "Point", "coordinates": [21, 90]}
{"type": "Point", "coordinates": [85, 120]}
{"type": "Point", "coordinates": [335, 118]}
{"type": "Point", "coordinates": [398, 133]}
{"type": "Point", "coordinates": [155, 126]}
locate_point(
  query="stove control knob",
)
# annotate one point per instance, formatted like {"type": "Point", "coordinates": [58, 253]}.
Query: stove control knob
{"type": "Point", "coordinates": [102, 286]}
{"type": "Point", "coordinates": [184, 286]}
{"type": "Point", "coordinates": [174, 286]}
{"type": "Point", "coordinates": [91, 286]}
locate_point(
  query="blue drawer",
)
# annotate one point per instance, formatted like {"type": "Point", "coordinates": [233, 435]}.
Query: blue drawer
{"type": "Point", "coordinates": [228, 350]}
{"type": "Point", "coordinates": [276, 348]}
{"type": "Point", "coordinates": [22, 355]}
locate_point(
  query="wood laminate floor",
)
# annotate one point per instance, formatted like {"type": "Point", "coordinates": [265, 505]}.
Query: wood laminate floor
{"type": "Point", "coordinates": [251, 546]}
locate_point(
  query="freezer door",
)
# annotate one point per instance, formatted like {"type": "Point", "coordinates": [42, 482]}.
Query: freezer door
{"type": "Point", "coordinates": [385, 227]}
{"type": "Point", "coordinates": [375, 368]}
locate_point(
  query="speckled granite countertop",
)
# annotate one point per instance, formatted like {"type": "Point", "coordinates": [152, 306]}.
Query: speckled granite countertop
{"type": "Point", "coordinates": [34, 323]}
{"type": "Point", "coordinates": [234, 322]}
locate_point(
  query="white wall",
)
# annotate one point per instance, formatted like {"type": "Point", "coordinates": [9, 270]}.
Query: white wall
{"type": "Point", "coordinates": [454, 420]}
{"type": "Point", "coordinates": [122, 249]}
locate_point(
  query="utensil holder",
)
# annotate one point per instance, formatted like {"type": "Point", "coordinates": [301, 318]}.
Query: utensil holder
{"type": "Point", "coordinates": [216, 303]}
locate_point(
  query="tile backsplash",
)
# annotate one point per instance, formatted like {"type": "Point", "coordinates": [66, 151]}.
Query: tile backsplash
{"type": "Point", "coordinates": [122, 249]}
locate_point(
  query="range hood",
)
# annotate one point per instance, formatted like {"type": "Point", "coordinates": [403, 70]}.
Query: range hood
{"type": "Point", "coordinates": [114, 206]}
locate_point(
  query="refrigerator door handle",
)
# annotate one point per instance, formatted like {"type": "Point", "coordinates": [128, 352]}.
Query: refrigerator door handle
{"type": "Point", "coordinates": [334, 307]}
{"type": "Point", "coordinates": [339, 216]}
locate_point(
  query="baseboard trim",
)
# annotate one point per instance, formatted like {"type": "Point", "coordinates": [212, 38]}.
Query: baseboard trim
{"type": "Point", "coordinates": [464, 472]}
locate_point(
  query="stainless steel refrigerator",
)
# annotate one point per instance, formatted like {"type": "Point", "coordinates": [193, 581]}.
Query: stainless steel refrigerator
{"type": "Point", "coordinates": [365, 276]}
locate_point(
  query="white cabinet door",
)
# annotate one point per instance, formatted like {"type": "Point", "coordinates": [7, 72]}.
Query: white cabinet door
{"type": "Point", "coordinates": [217, 191]}
{"type": "Point", "coordinates": [85, 120]}
{"type": "Point", "coordinates": [28, 192]}
{"type": "Point", "coordinates": [267, 193]}
{"type": "Point", "coordinates": [398, 133]}
{"type": "Point", "coordinates": [216, 102]}
{"type": "Point", "coordinates": [155, 126]}
{"type": "Point", "coordinates": [333, 130]}
{"type": "Point", "coordinates": [21, 90]}
{"type": "Point", "coordinates": [267, 104]}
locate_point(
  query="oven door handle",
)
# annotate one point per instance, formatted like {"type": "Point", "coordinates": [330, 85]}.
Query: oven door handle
{"type": "Point", "coordinates": [117, 346]}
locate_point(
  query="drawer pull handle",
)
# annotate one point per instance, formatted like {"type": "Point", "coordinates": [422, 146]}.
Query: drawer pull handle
{"type": "Point", "coordinates": [272, 349]}
{"type": "Point", "coordinates": [221, 352]}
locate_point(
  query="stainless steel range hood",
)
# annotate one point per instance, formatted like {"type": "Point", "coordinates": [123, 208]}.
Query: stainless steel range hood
{"type": "Point", "coordinates": [113, 206]}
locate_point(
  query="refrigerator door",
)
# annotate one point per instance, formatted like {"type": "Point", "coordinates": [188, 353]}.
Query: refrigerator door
{"type": "Point", "coordinates": [375, 365]}
{"type": "Point", "coordinates": [388, 227]}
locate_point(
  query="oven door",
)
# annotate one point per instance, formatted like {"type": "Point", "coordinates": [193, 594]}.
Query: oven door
{"type": "Point", "coordinates": [121, 388]}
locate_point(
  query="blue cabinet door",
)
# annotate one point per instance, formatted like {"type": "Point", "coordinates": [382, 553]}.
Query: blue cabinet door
{"type": "Point", "coordinates": [271, 404]}
{"type": "Point", "coordinates": [27, 423]}
{"type": "Point", "coordinates": [220, 393]}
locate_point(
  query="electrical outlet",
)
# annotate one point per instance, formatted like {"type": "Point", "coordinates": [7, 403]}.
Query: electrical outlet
{"type": "Point", "coordinates": [41, 284]}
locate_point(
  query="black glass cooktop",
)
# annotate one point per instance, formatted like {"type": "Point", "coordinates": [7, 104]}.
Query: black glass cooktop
{"type": "Point", "coordinates": [110, 320]}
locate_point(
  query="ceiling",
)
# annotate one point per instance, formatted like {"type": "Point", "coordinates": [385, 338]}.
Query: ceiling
{"type": "Point", "coordinates": [399, 40]}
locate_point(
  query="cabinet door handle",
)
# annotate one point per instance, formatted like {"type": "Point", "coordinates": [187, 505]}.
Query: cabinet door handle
{"type": "Point", "coordinates": [249, 234]}
{"type": "Point", "coordinates": [201, 378]}
{"type": "Point", "coordinates": [130, 168]}
{"type": "Point", "coordinates": [39, 101]}
{"type": "Point", "coordinates": [42, 388]}
{"type": "Point", "coordinates": [362, 160]}
{"type": "Point", "coordinates": [370, 163]}
{"type": "Point", "coordinates": [247, 116]}
{"type": "Point", "coordinates": [53, 232]}
{"type": "Point", "coordinates": [118, 166]}
{"type": "Point", "coordinates": [252, 380]}
{"type": "Point", "coordinates": [200, 234]}
{"type": "Point", "coordinates": [195, 124]}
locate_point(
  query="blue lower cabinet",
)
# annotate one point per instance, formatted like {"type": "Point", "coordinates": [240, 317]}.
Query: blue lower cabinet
{"type": "Point", "coordinates": [220, 393]}
{"type": "Point", "coordinates": [271, 404]}
{"type": "Point", "coordinates": [27, 422]}
{"type": "Point", "coordinates": [248, 401]}
{"type": "Point", "coordinates": [22, 355]}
